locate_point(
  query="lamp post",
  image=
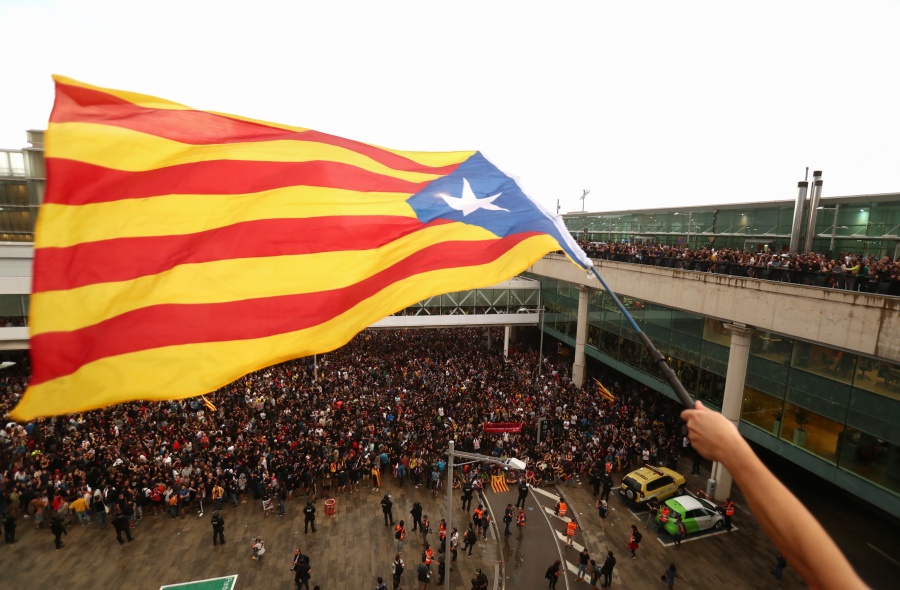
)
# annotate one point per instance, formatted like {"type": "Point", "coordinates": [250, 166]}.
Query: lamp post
{"type": "Point", "coordinates": [452, 453]}
{"type": "Point", "coordinates": [834, 226]}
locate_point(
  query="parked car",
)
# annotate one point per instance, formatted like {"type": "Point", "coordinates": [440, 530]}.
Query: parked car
{"type": "Point", "coordinates": [696, 513]}
{"type": "Point", "coordinates": [648, 482]}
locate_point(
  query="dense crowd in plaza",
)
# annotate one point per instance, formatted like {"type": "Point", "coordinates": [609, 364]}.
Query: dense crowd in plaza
{"type": "Point", "coordinates": [855, 272]}
{"type": "Point", "coordinates": [382, 407]}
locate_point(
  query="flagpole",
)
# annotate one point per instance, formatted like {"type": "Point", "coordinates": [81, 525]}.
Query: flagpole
{"type": "Point", "coordinates": [658, 358]}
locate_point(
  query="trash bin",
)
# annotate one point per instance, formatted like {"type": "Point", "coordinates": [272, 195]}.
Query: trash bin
{"type": "Point", "coordinates": [329, 507]}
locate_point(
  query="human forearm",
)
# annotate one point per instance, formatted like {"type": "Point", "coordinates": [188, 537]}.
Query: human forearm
{"type": "Point", "coordinates": [790, 526]}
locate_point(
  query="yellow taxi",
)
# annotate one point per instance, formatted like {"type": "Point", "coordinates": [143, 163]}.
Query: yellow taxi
{"type": "Point", "coordinates": [648, 482]}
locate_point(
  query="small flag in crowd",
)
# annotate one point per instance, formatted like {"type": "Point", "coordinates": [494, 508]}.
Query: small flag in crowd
{"type": "Point", "coordinates": [179, 249]}
{"type": "Point", "coordinates": [604, 391]}
{"type": "Point", "coordinates": [209, 405]}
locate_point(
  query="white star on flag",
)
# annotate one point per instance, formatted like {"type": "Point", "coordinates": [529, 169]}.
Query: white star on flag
{"type": "Point", "coordinates": [469, 203]}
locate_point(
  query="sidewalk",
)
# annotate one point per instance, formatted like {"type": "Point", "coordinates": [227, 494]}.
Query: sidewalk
{"type": "Point", "coordinates": [743, 558]}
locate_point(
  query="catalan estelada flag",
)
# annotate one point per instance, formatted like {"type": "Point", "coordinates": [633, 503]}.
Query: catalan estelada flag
{"type": "Point", "coordinates": [604, 391]}
{"type": "Point", "coordinates": [178, 249]}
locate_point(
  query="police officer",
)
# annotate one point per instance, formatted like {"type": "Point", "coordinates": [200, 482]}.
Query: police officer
{"type": "Point", "coordinates": [467, 490]}
{"type": "Point", "coordinates": [309, 516]}
{"type": "Point", "coordinates": [120, 524]}
{"type": "Point", "coordinates": [523, 493]}
{"type": "Point", "coordinates": [508, 517]}
{"type": "Point", "coordinates": [416, 515]}
{"type": "Point", "coordinates": [387, 507]}
{"type": "Point", "coordinates": [58, 528]}
{"type": "Point", "coordinates": [218, 525]}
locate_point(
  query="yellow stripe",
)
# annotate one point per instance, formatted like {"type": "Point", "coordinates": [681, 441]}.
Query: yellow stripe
{"type": "Point", "coordinates": [145, 100]}
{"type": "Point", "coordinates": [168, 215]}
{"type": "Point", "coordinates": [195, 369]}
{"type": "Point", "coordinates": [245, 278]}
{"type": "Point", "coordinates": [154, 102]}
{"type": "Point", "coordinates": [125, 149]}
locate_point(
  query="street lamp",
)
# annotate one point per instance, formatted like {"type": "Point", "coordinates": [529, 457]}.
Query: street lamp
{"type": "Point", "coordinates": [540, 310]}
{"type": "Point", "coordinates": [511, 463]}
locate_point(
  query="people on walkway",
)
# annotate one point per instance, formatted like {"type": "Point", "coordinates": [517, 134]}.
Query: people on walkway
{"type": "Point", "coordinates": [302, 569]}
{"type": "Point", "coordinates": [218, 526]}
{"type": "Point", "coordinates": [400, 535]}
{"type": "Point", "coordinates": [309, 517]}
{"type": "Point", "coordinates": [387, 507]}
{"type": "Point", "coordinates": [120, 525]}
{"type": "Point", "coordinates": [58, 528]}
{"type": "Point", "coordinates": [608, 565]}
{"type": "Point", "coordinates": [552, 574]}
{"type": "Point", "coordinates": [397, 567]}
{"type": "Point", "coordinates": [670, 575]}
{"type": "Point", "coordinates": [634, 540]}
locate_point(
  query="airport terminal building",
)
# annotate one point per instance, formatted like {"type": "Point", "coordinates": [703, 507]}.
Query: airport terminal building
{"type": "Point", "coordinates": [808, 371]}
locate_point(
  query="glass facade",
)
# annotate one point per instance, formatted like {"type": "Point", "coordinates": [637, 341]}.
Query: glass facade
{"type": "Point", "coordinates": [18, 211]}
{"type": "Point", "coordinates": [841, 407]}
{"type": "Point", "coordinates": [478, 301]}
{"type": "Point", "coordinates": [857, 225]}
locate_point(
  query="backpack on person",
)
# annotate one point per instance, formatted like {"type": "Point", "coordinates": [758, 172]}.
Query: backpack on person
{"type": "Point", "coordinates": [638, 536]}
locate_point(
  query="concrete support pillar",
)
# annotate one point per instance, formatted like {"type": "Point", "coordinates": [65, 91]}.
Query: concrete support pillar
{"type": "Point", "coordinates": [580, 335]}
{"type": "Point", "coordinates": [505, 342]}
{"type": "Point", "coordinates": [738, 355]}
{"type": "Point", "coordinates": [490, 340]}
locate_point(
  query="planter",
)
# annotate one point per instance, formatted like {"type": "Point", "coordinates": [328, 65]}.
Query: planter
{"type": "Point", "coordinates": [800, 438]}
{"type": "Point", "coordinates": [776, 428]}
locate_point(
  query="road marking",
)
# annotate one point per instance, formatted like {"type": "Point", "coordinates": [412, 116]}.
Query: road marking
{"type": "Point", "coordinates": [545, 493]}
{"type": "Point", "coordinates": [698, 537]}
{"type": "Point", "coordinates": [894, 561]}
{"type": "Point", "coordinates": [572, 568]}
{"type": "Point", "coordinates": [558, 548]}
{"type": "Point", "coordinates": [552, 513]}
{"type": "Point", "coordinates": [563, 538]}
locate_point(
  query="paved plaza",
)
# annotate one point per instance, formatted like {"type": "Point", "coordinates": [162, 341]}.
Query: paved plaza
{"type": "Point", "coordinates": [353, 547]}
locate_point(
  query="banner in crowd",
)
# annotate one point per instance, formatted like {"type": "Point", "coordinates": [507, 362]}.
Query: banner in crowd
{"type": "Point", "coordinates": [179, 249]}
{"type": "Point", "coordinates": [604, 391]}
{"type": "Point", "coordinates": [515, 427]}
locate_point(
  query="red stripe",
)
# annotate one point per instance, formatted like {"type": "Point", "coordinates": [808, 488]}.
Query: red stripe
{"type": "Point", "coordinates": [77, 183]}
{"type": "Point", "coordinates": [62, 353]}
{"type": "Point", "coordinates": [123, 259]}
{"type": "Point", "coordinates": [86, 105]}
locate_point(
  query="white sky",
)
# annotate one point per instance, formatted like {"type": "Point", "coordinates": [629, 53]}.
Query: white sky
{"type": "Point", "coordinates": [646, 104]}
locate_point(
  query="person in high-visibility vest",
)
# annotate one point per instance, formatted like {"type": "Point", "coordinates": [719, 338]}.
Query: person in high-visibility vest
{"type": "Point", "coordinates": [561, 508]}
{"type": "Point", "coordinates": [520, 522]}
{"type": "Point", "coordinates": [663, 517]}
{"type": "Point", "coordinates": [570, 533]}
{"type": "Point", "coordinates": [729, 512]}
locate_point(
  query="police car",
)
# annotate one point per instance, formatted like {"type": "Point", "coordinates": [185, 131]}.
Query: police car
{"type": "Point", "coordinates": [696, 513]}
{"type": "Point", "coordinates": [649, 482]}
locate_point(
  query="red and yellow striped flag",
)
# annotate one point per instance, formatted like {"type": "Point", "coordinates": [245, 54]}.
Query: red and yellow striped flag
{"type": "Point", "coordinates": [179, 249]}
{"type": "Point", "coordinates": [604, 391]}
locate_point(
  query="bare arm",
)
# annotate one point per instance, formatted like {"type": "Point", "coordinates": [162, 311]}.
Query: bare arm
{"type": "Point", "coordinates": [799, 536]}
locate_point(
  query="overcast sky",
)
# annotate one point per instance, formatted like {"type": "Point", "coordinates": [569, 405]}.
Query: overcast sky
{"type": "Point", "coordinates": [645, 104]}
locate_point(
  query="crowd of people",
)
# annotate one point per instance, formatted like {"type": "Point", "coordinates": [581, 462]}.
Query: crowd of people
{"type": "Point", "coordinates": [384, 406]}
{"type": "Point", "coordinates": [844, 270]}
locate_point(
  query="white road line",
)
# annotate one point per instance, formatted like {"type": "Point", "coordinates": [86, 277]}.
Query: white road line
{"type": "Point", "coordinates": [562, 538]}
{"type": "Point", "coordinates": [894, 561]}
{"type": "Point", "coordinates": [545, 493]}
{"type": "Point", "coordinates": [697, 538]}
{"type": "Point", "coordinates": [558, 548]}
{"type": "Point", "coordinates": [572, 568]}
{"type": "Point", "coordinates": [551, 512]}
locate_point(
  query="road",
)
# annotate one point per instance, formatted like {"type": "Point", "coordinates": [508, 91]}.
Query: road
{"type": "Point", "coordinates": [526, 558]}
